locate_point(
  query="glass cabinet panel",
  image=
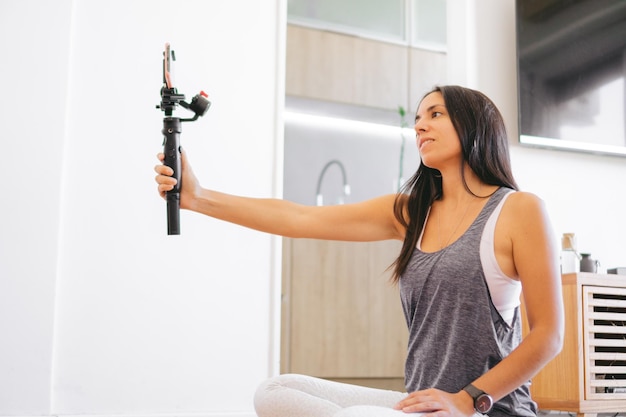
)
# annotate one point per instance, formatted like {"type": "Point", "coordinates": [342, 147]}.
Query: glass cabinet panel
{"type": "Point", "coordinates": [419, 23]}
{"type": "Point", "coordinates": [377, 18]}
{"type": "Point", "coordinates": [428, 24]}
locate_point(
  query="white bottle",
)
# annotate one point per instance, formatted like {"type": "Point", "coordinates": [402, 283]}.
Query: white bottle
{"type": "Point", "coordinates": [570, 262]}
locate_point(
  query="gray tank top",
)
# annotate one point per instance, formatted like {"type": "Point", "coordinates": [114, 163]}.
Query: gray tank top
{"type": "Point", "coordinates": [455, 332]}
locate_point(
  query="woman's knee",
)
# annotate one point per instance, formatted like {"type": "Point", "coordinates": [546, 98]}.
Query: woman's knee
{"type": "Point", "coordinates": [262, 394]}
{"type": "Point", "coordinates": [269, 391]}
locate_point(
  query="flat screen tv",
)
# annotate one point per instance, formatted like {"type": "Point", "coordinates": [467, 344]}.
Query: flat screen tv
{"type": "Point", "coordinates": [571, 57]}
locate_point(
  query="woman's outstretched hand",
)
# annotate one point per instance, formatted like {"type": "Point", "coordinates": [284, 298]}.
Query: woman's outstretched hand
{"type": "Point", "coordinates": [190, 186]}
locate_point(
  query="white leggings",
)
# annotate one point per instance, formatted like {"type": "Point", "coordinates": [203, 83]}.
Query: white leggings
{"type": "Point", "coordinates": [293, 395]}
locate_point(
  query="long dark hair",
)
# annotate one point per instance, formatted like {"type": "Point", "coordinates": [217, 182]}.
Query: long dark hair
{"type": "Point", "coordinates": [485, 148]}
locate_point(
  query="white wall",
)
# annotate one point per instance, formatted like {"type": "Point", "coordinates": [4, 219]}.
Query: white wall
{"type": "Point", "coordinates": [583, 192]}
{"type": "Point", "coordinates": [100, 311]}
{"type": "Point", "coordinates": [34, 47]}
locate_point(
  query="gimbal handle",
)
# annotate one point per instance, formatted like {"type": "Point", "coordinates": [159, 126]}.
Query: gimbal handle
{"type": "Point", "coordinates": [172, 128]}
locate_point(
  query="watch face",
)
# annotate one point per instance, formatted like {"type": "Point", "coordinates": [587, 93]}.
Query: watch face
{"type": "Point", "coordinates": [483, 403]}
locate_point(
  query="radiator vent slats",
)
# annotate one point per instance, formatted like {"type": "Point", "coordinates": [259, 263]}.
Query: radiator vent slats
{"type": "Point", "coordinates": [604, 319]}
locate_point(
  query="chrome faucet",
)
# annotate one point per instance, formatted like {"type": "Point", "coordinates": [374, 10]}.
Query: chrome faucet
{"type": "Point", "coordinates": [346, 186]}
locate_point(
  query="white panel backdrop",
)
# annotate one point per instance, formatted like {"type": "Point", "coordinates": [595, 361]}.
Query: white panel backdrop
{"type": "Point", "coordinates": [118, 317]}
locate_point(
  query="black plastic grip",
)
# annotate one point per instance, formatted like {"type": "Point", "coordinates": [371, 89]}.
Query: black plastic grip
{"type": "Point", "coordinates": [173, 213]}
{"type": "Point", "coordinates": [171, 149]}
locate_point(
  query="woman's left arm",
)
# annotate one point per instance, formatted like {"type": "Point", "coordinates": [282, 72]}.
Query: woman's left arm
{"type": "Point", "coordinates": [536, 259]}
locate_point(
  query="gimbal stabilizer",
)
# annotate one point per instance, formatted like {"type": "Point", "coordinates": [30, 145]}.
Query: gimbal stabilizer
{"type": "Point", "coordinates": [171, 135]}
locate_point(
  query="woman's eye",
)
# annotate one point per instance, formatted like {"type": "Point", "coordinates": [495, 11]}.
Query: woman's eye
{"type": "Point", "coordinates": [436, 114]}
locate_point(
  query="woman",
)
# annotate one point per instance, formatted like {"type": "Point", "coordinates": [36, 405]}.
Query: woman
{"type": "Point", "coordinates": [472, 246]}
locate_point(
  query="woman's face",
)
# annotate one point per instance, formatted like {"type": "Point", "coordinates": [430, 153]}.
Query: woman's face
{"type": "Point", "coordinates": [437, 140]}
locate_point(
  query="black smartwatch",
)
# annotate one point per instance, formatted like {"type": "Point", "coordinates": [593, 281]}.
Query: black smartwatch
{"type": "Point", "coordinates": [482, 401]}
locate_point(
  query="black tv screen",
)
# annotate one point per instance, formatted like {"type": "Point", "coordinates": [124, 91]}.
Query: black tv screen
{"type": "Point", "coordinates": [571, 72]}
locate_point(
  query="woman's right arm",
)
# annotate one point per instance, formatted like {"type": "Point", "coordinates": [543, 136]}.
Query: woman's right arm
{"type": "Point", "coordinates": [370, 220]}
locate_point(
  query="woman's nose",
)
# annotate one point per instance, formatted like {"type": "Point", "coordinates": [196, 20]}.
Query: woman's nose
{"type": "Point", "coordinates": [419, 126]}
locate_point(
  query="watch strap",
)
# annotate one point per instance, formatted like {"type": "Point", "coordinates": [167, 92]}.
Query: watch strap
{"type": "Point", "coordinates": [473, 391]}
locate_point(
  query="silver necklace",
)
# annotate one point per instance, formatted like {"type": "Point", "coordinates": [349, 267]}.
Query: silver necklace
{"type": "Point", "coordinates": [444, 244]}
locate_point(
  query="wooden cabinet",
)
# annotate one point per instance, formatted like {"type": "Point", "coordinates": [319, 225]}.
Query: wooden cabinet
{"type": "Point", "coordinates": [341, 317]}
{"type": "Point", "coordinates": [345, 69]}
{"type": "Point", "coordinates": [589, 375]}
{"type": "Point", "coordinates": [339, 68]}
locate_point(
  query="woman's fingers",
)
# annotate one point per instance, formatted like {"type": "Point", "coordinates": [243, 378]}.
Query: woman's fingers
{"type": "Point", "coordinates": [164, 177]}
{"type": "Point", "coordinates": [163, 170]}
{"type": "Point", "coordinates": [421, 401]}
